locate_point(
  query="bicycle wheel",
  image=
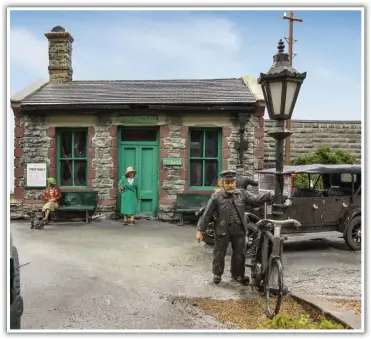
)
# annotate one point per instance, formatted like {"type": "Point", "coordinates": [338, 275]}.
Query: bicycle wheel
{"type": "Point", "coordinates": [273, 287]}
{"type": "Point", "coordinates": [252, 239]}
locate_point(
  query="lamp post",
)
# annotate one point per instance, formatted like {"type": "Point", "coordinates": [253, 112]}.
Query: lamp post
{"type": "Point", "coordinates": [281, 86]}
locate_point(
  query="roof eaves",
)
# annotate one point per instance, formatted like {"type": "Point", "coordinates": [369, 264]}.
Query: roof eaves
{"type": "Point", "coordinates": [29, 90]}
{"type": "Point", "coordinates": [128, 104]}
{"type": "Point", "coordinates": [253, 86]}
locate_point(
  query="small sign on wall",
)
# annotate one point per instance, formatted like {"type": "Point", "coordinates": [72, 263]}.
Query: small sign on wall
{"type": "Point", "coordinates": [37, 175]}
{"type": "Point", "coordinates": [172, 162]}
{"type": "Point", "coordinates": [140, 119]}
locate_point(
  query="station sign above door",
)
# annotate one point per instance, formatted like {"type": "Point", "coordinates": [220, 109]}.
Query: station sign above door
{"type": "Point", "coordinates": [140, 119]}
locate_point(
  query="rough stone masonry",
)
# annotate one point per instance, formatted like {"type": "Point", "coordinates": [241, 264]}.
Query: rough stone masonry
{"type": "Point", "coordinates": [35, 142]}
{"type": "Point", "coordinates": [309, 135]}
{"type": "Point", "coordinates": [174, 143]}
{"type": "Point", "coordinates": [60, 55]}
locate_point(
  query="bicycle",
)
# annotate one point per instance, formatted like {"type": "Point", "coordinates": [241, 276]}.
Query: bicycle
{"type": "Point", "coordinates": [266, 263]}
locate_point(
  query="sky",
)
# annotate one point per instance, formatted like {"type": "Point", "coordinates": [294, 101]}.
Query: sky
{"type": "Point", "coordinates": [127, 45]}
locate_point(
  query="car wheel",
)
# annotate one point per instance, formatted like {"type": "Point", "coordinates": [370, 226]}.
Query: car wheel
{"type": "Point", "coordinates": [252, 239]}
{"type": "Point", "coordinates": [17, 280]}
{"type": "Point", "coordinates": [16, 309]}
{"type": "Point", "coordinates": [353, 233]}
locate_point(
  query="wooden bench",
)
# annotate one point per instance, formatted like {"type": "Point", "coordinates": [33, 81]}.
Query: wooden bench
{"type": "Point", "coordinates": [189, 203]}
{"type": "Point", "coordinates": [79, 202]}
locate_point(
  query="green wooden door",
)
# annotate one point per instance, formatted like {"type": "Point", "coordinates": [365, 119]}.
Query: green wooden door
{"type": "Point", "coordinates": [143, 156]}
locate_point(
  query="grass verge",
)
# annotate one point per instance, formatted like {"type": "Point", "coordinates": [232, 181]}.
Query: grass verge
{"type": "Point", "coordinates": [250, 314]}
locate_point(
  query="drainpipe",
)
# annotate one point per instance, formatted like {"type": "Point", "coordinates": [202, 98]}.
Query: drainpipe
{"type": "Point", "coordinates": [242, 145]}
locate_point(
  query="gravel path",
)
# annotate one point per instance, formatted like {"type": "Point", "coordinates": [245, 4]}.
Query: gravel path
{"type": "Point", "coordinates": [107, 276]}
{"type": "Point", "coordinates": [324, 266]}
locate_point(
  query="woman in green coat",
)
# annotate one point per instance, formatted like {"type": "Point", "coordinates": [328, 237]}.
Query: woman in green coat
{"type": "Point", "coordinates": [129, 195]}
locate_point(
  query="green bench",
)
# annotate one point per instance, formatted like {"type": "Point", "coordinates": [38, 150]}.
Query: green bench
{"type": "Point", "coordinates": [189, 203]}
{"type": "Point", "coordinates": [79, 202]}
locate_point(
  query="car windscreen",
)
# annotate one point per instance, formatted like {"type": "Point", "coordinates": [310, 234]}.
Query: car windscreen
{"type": "Point", "coordinates": [344, 180]}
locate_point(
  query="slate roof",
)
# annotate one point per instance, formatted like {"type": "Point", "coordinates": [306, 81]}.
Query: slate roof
{"type": "Point", "coordinates": [171, 92]}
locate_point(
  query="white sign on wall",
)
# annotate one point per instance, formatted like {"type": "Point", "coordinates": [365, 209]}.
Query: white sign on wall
{"type": "Point", "coordinates": [36, 175]}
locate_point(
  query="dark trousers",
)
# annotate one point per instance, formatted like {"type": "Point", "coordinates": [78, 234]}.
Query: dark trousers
{"type": "Point", "coordinates": [238, 256]}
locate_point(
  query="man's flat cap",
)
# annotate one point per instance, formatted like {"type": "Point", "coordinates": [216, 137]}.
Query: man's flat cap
{"type": "Point", "coordinates": [228, 174]}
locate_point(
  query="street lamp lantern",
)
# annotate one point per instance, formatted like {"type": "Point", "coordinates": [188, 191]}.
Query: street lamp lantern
{"type": "Point", "coordinates": [281, 86]}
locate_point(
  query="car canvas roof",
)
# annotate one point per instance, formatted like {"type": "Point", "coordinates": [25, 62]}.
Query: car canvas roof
{"type": "Point", "coordinates": [316, 169]}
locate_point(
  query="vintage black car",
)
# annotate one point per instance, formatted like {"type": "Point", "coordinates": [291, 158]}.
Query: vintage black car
{"type": "Point", "coordinates": [331, 200]}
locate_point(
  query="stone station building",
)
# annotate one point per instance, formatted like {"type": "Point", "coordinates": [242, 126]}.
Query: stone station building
{"type": "Point", "coordinates": [177, 134]}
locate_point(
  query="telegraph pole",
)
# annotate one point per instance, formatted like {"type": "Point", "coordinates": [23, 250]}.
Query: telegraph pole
{"type": "Point", "coordinates": [290, 40]}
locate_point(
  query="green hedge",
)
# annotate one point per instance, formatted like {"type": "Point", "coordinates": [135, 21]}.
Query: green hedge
{"type": "Point", "coordinates": [322, 155]}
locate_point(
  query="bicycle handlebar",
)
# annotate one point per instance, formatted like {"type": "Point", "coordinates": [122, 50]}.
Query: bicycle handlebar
{"type": "Point", "coordinates": [279, 222]}
{"type": "Point", "coordinates": [252, 216]}
{"type": "Point", "coordinates": [200, 211]}
{"type": "Point", "coordinates": [251, 182]}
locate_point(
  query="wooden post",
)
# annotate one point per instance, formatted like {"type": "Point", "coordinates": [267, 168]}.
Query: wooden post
{"type": "Point", "coordinates": [290, 40]}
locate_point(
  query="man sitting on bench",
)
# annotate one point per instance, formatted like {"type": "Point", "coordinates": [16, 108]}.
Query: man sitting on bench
{"type": "Point", "coordinates": [52, 194]}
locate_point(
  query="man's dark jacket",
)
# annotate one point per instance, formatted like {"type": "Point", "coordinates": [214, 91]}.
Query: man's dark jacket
{"type": "Point", "coordinates": [222, 205]}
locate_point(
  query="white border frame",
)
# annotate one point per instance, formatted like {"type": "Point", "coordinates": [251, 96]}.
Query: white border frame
{"type": "Point", "coordinates": [192, 3]}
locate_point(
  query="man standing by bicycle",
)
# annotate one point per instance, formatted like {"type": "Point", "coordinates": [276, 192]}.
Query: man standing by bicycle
{"type": "Point", "coordinates": [230, 226]}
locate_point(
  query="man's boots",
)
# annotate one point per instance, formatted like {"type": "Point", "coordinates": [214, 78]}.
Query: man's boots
{"type": "Point", "coordinates": [217, 279]}
{"type": "Point", "coordinates": [241, 280]}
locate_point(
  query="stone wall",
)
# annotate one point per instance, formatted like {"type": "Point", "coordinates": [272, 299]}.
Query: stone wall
{"type": "Point", "coordinates": [103, 173]}
{"type": "Point", "coordinates": [254, 155]}
{"type": "Point", "coordinates": [31, 144]}
{"type": "Point", "coordinates": [173, 144]}
{"type": "Point", "coordinates": [309, 135]}
{"type": "Point", "coordinates": [35, 140]}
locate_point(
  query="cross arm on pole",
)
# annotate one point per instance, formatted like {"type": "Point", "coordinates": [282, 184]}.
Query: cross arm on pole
{"type": "Point", "coordinates": [288, 40]}
{"type": "Point", "coordinates": [291, 18]}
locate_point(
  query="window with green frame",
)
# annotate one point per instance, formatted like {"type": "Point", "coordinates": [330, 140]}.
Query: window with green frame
{"type": "Point", "coordinates": [204, 157]}
{"type": "Point", "coordinates": [72, 157]}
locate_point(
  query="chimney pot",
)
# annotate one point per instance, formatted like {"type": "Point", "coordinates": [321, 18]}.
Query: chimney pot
{"type": "Point", "coordinates": [58, 29]}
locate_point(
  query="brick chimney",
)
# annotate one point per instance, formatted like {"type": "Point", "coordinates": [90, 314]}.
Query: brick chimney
{"type": "Point", "coordinates": [60, 53]}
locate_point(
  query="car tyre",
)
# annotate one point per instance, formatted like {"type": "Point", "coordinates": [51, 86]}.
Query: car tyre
{"type": "Point", "coordinates": [352, 234]}
{"type": "Point", "coordinates": [16, 309]}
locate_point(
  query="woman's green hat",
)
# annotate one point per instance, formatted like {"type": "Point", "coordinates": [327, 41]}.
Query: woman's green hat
{"type": "Point", "coordinates": [52, 181]}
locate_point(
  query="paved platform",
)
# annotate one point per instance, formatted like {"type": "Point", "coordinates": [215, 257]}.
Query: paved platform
{"type": "Point", "coordinates": [338, 314]}
{"type": "Point", "coordinates": [108, 276]}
